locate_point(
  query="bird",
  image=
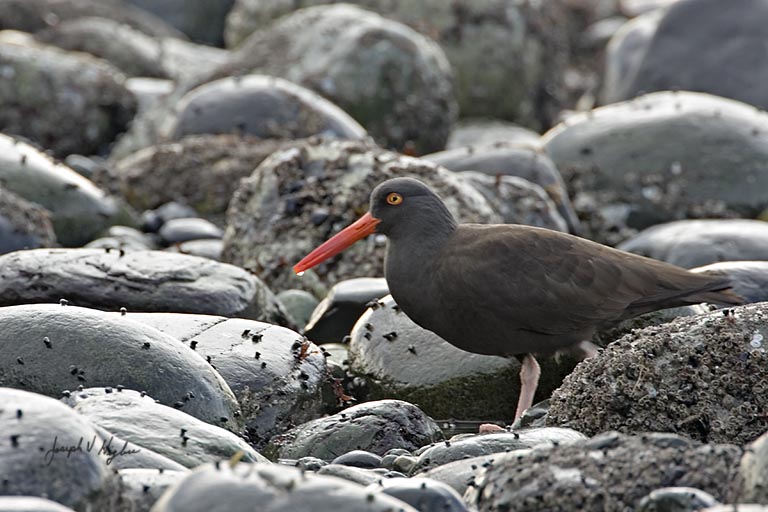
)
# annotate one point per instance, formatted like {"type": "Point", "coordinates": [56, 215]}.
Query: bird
{"type": "Point", "coordinates": [511, 290]}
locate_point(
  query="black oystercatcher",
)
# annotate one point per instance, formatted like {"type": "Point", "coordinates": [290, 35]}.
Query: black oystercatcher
{"type": "Point", "coordinates": [510, 290]}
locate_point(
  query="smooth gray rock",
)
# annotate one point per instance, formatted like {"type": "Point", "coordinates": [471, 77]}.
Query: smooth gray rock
{"type": "Point", "coordinates": [699, 46]}
{"type": "Point", "coordinates": [168, 431]}
{"type": "Point", "coordinates": [358, 459]}
{"type": "Point", "coordinates": [473, 445]}
{"type": "Point", "coordinates": [399, 359]}
{"type": "Point", "coordinates": [125, 238]}
{"type": "Point", "coordinates": [336, 314]}
{"type": "Point", "coordinates": [153, 220]}
{"type": "Point", "coordinates": [372, 426]}
{"type": "Point", "coordinates": [201, 20]}
{"type": "Point", "coordinates": [201, 170]}
{"type": "Point", "coordinates": [79, 210]}
{"type": "Point", "coordinates": [139, 489]}
{"type": "Point", "coordinates": [275, 488]}
{"type": "Point", "coordinates": [136, 280]}
{"type": "Point", "coordinates": [299, 304]}
{"type": "Point", "coordinates": [693, 243]}
{"type": "Point", "coordinates": [423, 494]}
{"type": "Point", "coordinates": [149, 92]}
{"type": "Point", "coordinates": [32, 427]}
{"type": "Point", "coordinates": [270, 216]}
{"type": "Point", "coordinates": [97, 109]}
{"type": "Point", "coordinates": [276, 375]}
{"type": "Point", "coordinates": [676, 499]}
{"type": "Point", "coordinates": [30, 504]}
{"type": "Point", "coordinates": [748, 278]}
{"type": "Point", "coordinates": [176, 231]}
{"type": "Point", "coordinates": [262, 106]}
{"type": "Point", "coordinates": [23, 224]}
{"type": "Point", "coordinates": [702, 376]}
{"type": "Point", "coordinates": [460, 474]}
{"type": "Point", "coordinates": [394, 81]}
{"type": "Point", "coordinates": [122, 454]}
{"type": "Point", "coordinates": [361, 476]}
{"type": "Point", "coordinates": [610, 472]}
{"type": "Point", "coordinates": [487, 131]}
{"type": "Point", "coordinates": [506, 158]}
{"type": "Point", "coordinates": [661, 157]}
{"type": "Point", "coordinates": [753, 472]}
{"type": "Point", "coordinates": [207, 248]}
{"type": "Point", "coordinates": [55, 347]}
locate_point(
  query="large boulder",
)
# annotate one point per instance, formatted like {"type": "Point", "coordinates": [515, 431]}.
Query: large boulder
{"type": "Point", "coordinates": [79, 209]}
{"type": "Point", "coordinates": [396, 82]}
{"type": "Point", "coordinates": [703, 376]}
{"type": "Point", "coordinates": [87, 103]}
{"type": "Point", "coordinates": [664, 156]}
{"type": "Point", "coordinates": [298, 197]}
{"type": "Point", "coordinates": [53, 348]}
{"type": "Point", "coordinates": [137, 281]}
{"type": "Point", "coordinates": [478, 38]}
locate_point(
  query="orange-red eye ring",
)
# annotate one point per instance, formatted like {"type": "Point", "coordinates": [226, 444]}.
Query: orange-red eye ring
{"type": "Point", "coordinates": [394, 198]}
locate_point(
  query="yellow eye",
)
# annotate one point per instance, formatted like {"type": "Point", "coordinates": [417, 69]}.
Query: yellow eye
{"type": "Point", "coordinates": [394, 198]}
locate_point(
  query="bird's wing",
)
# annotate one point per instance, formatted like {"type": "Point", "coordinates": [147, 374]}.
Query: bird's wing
{"type": "Point", "coordinates": [548, 282]}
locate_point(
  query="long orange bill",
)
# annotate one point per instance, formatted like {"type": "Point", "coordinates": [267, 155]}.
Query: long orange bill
{"type": "Point", "coordinates": [361, 228]}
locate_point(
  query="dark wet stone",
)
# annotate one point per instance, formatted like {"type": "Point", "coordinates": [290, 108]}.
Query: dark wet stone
{"type": "Point", "coordinates": [399, 359]}
{"type": "Point", "coordinates": [201, 170]}
{"type": "Point", "coordinates": [753, 472]}
{"type": "Point", "coordinates": [518, 200]}
{"type": "Point", "coordinates": [274, 487]}
{"type": "Point", "coordinates": [23, 224]}
{"type": "Point", "coordinates": [129, 50]}
{"type": "Point", "coordinates": [473, 445]}
{"type": "Point", "coordinates": [358, 459]}
{"type": "Point", "coordinates": [269, 217]}
{"type": "Point", "coordinates": [661, 157]}
{"type": "Point", "coordinates": [30, 504]}
{"type": "Point", "coordinates": [748, 278]}
{"type": "Point", "coordinates": [336, 314]}
{"type": "Point", "coordinates": [176, 231]}
{"type": "Point", "coordinates": [29, 424]}
{"type": "Point", "coordinates": [79, 209]}
{"type": "Point", "coordinates": [523, 160]}
{"type": "Point", "coordinates": [153, 220]}
{"type": "Point", "coordinates": [423, 494]}
{"type": "Point", "coordinates": [702, 376]}
{"type": "Point", "coordinates": [122, 454]}
{"type": "Point", "coordinates": [201, 20]}
{"type": "Point", "coordinates": [693, 243]}
{"type": "Point", "coordinates": [460, 474]}
{"type": "Point", "coordinates": [275, 374]}
{"type": "Point", "coordinates": [676, 499]}
{"type": "Point", "coordinates": [34, 15]}
{"type": "Point", "coordinates": [165, 430]}
{"type": "Point", "coordinates": [579, 477]}
{"type": "Point", "coordinates": [477, 38]}
{"type": "Point", "coordinates": [99, 108]}
{"type": "Point", "coordinates": [139, 489]}
{"type": "Point", "coordinates": [136, 280]}
{"type": "Point", "coordinates": [299, 304]}
{"type": "Point", "coordinates": [262, 106]}
{"type": "Point", "coordinates": [57, 347]}
{"type": "Point", "coordinates": [372, 426]}
{"type": "Point", "coordinates": [483, 132]}
{"type": "Point", "coordinates": [698, 46]}
{"type": "Point", "coordinates": [210, 249]}
{"type": "Point", "coordinates": [392, 80]}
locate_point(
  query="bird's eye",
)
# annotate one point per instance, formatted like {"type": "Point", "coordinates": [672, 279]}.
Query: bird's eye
{"type": "Point", "coordinates": [394, 198]}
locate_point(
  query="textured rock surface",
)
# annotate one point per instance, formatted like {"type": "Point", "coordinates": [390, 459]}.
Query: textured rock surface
{"type": "Point", "coordinates": [23, 225]}
{"type": "Point", "coordinates": [79, 209]}
{"type": "Point", "coordinates": [136, 280]}
{"type": "Point", "coordinates": [137, 418]}
{"type": "Point", "coordinates": [298, 197]}
{"type": "Point", "coordinates": [610, 472]}
{"type": "Point", "coordinates": [478, 38]}
{"type": "Point", "coordinates": [661, 157]}
{"type": "Point", "coordinates": [394, 81]}
{"type": "Point", "coordinates": [703, 376]}
{"type": "Point", "coordinates": [276, 375]}
{"type": "Point", "coordinates": [30, 423]}
{"type": "Point", "coordinates": [202, 170]}
{"type": "Point", "coordinates": [693, 243]}
{"type": "Point", "coordinates": [140, 488]}
{"type": "Point", "coordinates": [85, 119]}
{"type": "Point", "coordinates": [676, 499]}
{"type": "Point", "coordinates": [402, 360]}
{"type": "Point", "coordinates": [56, 347]}
{"type": "Point", "coordinates": [373, 426]}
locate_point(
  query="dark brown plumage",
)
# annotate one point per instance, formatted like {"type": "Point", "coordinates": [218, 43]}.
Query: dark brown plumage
{"type": "Point", "coordinates": [511, 290]}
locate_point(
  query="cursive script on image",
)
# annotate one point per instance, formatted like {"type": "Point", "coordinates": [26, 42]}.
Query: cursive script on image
{"type": "Point", "coordinates": [83, 446]}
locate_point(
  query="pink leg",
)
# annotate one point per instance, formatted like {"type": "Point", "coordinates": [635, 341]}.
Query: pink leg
{"type": "Point", "coordinates": [529, 381]}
